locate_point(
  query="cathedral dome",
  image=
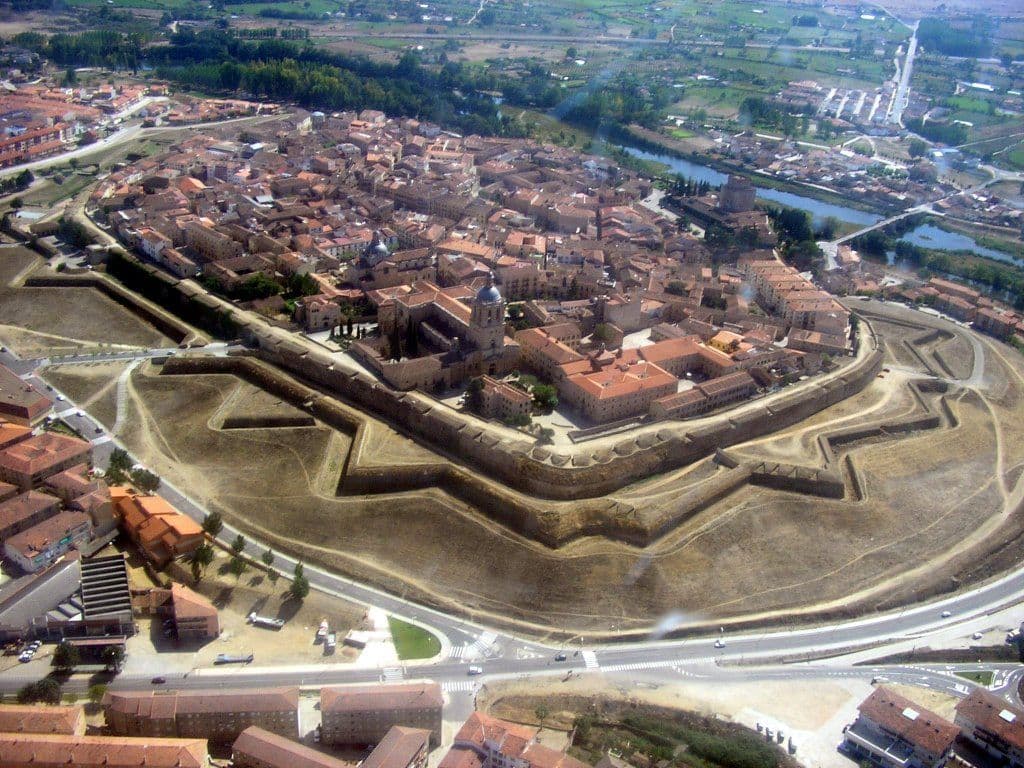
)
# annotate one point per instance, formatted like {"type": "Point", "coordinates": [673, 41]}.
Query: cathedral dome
{"type": "Point", "coordinates": [488, 294]}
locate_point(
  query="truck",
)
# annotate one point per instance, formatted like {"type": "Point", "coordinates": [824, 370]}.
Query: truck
{"type": "Point", "coordinates": [234, 658]}
{"type": "Point", "coordinates": [321, 633]}
{"type": "Point", "coordinates": [265, 621]}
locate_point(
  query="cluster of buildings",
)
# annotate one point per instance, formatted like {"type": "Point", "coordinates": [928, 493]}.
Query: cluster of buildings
{"type": "Point", "coordinates": [38, 119]}
{"type": "Point", "coordinates": [965, 304]}
{"type": "Point", "coordinates": [49, 502]}
{"type": "Point", "coordinates": [888, 184]}
{"type": "Point", "coordinates": [400, 724]}
{"type": "Point", "coordinates": [431, 234]}
{"type": "Point", "coordinates": [893, 732]}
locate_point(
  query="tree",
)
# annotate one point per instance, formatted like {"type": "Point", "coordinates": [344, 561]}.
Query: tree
{"type": "Point", "coordinates": [237, 566]}
{"type": "Point", "coordinates": [96, 692]}
{"type": "Point", "coordinates": [213, 524]}
{"type": "Point", "coordinates": [238, 544]}
{"type": "Point", "coordinates": [546, 436]}
{"type": "Point", "coordinates": [603, 333]}
{"type": "Point", "coordinates": [545, 397]}
{"type": "Point", "coordinates": [676, 288]}
{"type": "Point", "coordinates": [112, 656]}
{"type": "Point", "coordinates": [273, 576]}
{"type": "Point", "coordinates": [268, 558]}
{"type": "Point", "coordinates": [17, 203]}
{"type": "Point", "coordinates": [917, 148]}
{"type": "Point", "coordinates": [299, 588]}
{"type": "Point", "coordinates": [118, 466]}
{"type": "Point", "coordinates": [144, 480]}
{"type": "Point", "coordinates": [66, 656]}
{"type": "Point", "coordinates": [298, 571]}
{"type": "Point", "coordinates": [542, 713]}
{"type": "Point", "coordinates": [570, 53]}
{"type": "Point", "coordinates": [474, 394]}
{"type": "Point", "coordinates": [412, 342]}
{"type": "Point", "coordinates": [46, 690]}
{"type": "Point", "coordinates": [200, 560]}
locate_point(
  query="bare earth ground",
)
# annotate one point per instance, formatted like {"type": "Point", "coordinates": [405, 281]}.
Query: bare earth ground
{"type": "Point", "coordinates": [812, 711]}
{"type": "Point", "coordinates": [929, 495]}
{"type": "Point", "coordinates": [292, 644]}
{"type": "Point", "coordinates": [91, 386]}
{"type": "Point", "coordinates": [38, 322]}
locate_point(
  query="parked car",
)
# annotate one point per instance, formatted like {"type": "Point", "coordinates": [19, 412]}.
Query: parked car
{"type": "Point", "coordinates": [158, 680]}
{"type": "Point", "coordinates": [560, 657]}
{"type": "Point", "coordinates": [25, 657]}
{"type": "Point", "coordinates": [946, 614]}
{"type": "Point", "coordinates": [475, 670]}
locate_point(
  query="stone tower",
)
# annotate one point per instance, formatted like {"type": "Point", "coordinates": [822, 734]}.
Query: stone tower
{"type": "Point", "coordinates": [487, 319]}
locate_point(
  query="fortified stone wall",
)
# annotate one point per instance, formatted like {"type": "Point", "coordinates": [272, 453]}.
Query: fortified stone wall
{"type": "Point", "coordinates": [545, 472]}
{"type": "Point", "coordinates": [168, 326]}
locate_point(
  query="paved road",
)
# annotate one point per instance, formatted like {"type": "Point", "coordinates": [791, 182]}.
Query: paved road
{"type": "Point", "coordinates": [502, 654]}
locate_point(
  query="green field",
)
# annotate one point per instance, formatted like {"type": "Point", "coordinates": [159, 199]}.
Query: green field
{"type": "Point", "coordinates": [411, 642]}
{"type": "Point", "coordinates": [981, 678]}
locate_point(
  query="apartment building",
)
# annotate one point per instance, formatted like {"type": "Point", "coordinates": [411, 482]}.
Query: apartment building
{"type": "Point", "coordinates": [401, 747]}
{"type": "Point", "coordinates": [157, 528]}
{"type": "Point", "coordinates": [22, 512]}
{"type": "Point", "coordinates": [20, 403]}
{"type": "Point", "coordinates": [364, 714]}
{"type": "Point", "coordinates": [259, 748]}
{"type": "Point", "coordinates": [499, 400]}
{"type": "Point", "coordinates": [219, 715]}
{"type": "Point", "coordinates": [620, 388]}
{"type": "Point", "coordinates": [31, 718]}
{"type": "Point", "coordinates": [893, 732]}
{"type": "Point", "coordinates": [487, 742]}
{"type": "Point", "coordinates": [37, 750]}
{"type": "Point", "coordinates": [29, 462]}
{"type": "Point", "coordinates": [993, 725]}
{"type": "Point", "coordinates": [39, 546]}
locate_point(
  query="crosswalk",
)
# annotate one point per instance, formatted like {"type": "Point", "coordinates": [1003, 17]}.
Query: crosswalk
{"type": "Point", "coordinates": [392, 674]}
{"type": "Point", "coordinates": [459, 686]}
{"type": "Point", "coordinates": [590, 660]}
{"type": "Point", "coordinates": [675, 665]}
{"type": "Point", "coordinates": [477, 648]}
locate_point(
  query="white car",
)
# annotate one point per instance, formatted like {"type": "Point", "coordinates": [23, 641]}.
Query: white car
{"type": "Point", "coordinates": [475, 670]}
{"type": "Point", "coordinates": [946, 614]}
{"type": "Point", "coordinates": [719, 643]}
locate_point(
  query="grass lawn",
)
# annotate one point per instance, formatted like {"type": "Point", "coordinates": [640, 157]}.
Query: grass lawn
{"type": "Point", "coordinates": [981, 678]}
{"type": "Point", "coordinates": [411, 642]}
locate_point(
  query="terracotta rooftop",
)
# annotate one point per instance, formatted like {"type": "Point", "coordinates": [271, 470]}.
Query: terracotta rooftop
{"type": "Point", "coordinates": [904, 718]}
{"type": "Point", "coordinates": [23, 507]}
{"type": "Point", "coordinates": [43, 750]}
{"type": "Point", "coordinates": [391, 697]}
{"type": "Point", "coordinates": [995, 715]}
{"type": "Point", "coordinates": [32, 718]}
{"type": "Point", "coordinates": [44, 450]}
{"type": "Point", "coordinates": [272, 749]}
{"type": "Point", "coordinates": [18, 398]}
{"type": "Point", "coordinates": [398, 748]}
{"type": "Point", "coordinates": [12, 433]}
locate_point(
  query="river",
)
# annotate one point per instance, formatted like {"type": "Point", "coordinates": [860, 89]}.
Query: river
{"type": "Point", "coordinates": [928, 236]}
{"type": "Point", "coordinates": [819, 210]}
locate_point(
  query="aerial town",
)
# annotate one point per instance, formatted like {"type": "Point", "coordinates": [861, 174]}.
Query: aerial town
{"type": "Point", "coordinates": [486, 385]}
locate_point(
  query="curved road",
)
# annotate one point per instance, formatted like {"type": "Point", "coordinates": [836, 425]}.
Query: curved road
{"type": "Point", "coordinates": [504, 654]}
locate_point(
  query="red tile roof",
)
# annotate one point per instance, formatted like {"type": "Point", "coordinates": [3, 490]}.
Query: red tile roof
{"type": "Point", "coordinates": [272, 749]}
{"type": "Point", "coordinates": [904, 718]}
{"type": "Point", "coordinates": [358, 698]}
{"type": "Point", "coordinates": [994, 715]}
